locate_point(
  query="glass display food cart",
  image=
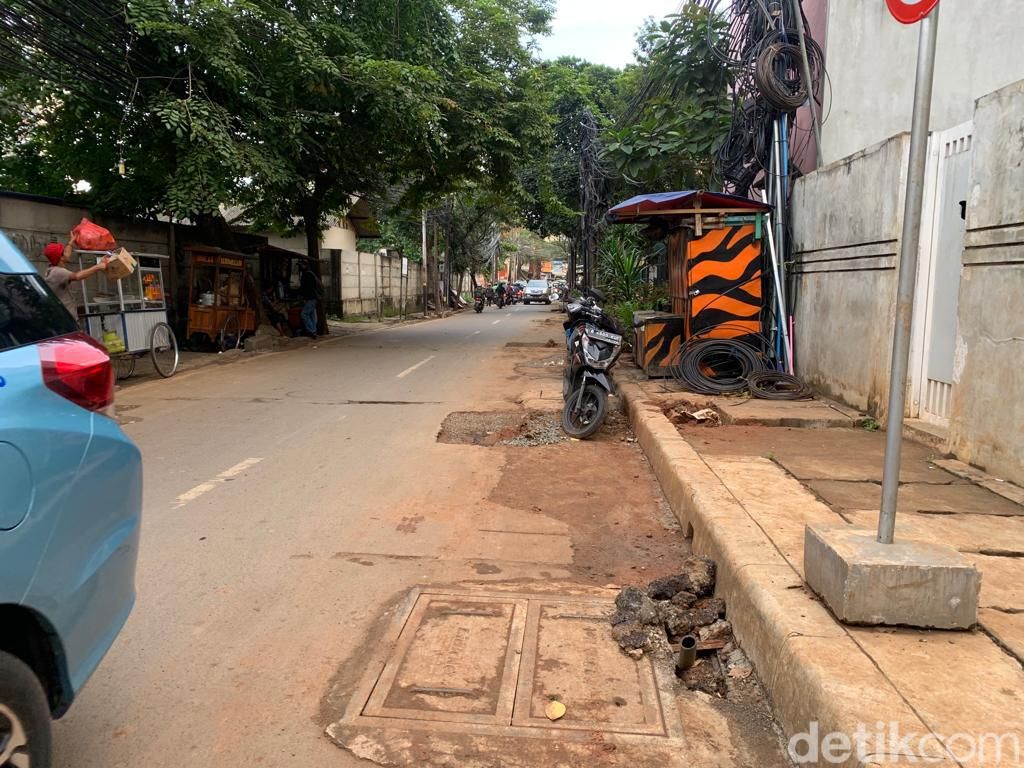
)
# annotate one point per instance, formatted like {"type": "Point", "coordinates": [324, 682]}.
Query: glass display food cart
{"type": "Point", "coordinates": [219, 309]}
{"type": "Point", "coordinates": [129, 316]}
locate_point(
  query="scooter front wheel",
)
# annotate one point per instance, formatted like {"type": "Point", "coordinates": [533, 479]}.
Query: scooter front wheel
{"type": "Point", "coordinates": [583, 416]}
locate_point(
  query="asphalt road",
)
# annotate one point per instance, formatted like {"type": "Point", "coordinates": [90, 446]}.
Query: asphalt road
{"type": "Point", "coordinates": [293, 499]}
{"type": "Point", "coordinates": [266, 482]}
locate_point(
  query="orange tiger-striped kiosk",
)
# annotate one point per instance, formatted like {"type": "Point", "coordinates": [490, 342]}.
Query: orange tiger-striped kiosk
{"type": "Point", "coordinates": [718, 266]}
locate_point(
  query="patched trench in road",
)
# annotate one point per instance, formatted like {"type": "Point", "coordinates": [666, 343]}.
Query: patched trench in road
{"type": "Point", "coordinates": [460, 675]}
{"type": "Point", "coordinates": [506, 428]}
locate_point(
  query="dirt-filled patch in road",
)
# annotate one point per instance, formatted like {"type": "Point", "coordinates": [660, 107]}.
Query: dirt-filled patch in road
{"type": "Point", "coordinates": [508, 428]}
{"type": "Point", "coordinates": [622, 529]}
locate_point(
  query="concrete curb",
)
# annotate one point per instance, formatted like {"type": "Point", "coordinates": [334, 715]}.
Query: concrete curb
{"type": "Point", "coordinates": [813, 669]}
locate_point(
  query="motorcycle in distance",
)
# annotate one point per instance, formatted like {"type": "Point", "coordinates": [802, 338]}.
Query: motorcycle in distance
{"type": "Point", "coordinates": [478, 303]}
{"type": "Point", "coordinates": [593, 344]}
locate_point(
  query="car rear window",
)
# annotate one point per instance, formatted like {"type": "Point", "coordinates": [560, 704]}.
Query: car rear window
{"type": "Point", "coordinates": [538, 284]}
{"type": "Point", "coordinates": [29, 312]}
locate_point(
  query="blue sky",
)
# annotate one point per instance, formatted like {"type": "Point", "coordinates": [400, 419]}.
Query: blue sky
{"type": "Point", "coordinates": [600, 31]}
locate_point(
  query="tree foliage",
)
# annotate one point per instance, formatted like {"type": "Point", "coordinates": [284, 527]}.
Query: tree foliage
{"type": "Point", "coordinates": [287, 107]}
{"type": "Point", "coordinates": [666, 137]}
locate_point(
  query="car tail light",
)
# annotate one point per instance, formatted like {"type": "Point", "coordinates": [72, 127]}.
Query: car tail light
{"type": "Point", "coordinates": [78, 368]}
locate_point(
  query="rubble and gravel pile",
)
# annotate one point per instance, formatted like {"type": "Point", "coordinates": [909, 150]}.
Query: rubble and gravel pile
{"type": "Point", "coordinates": [655, 619]}
{"type": "Point", "coordinates": [539, 429]}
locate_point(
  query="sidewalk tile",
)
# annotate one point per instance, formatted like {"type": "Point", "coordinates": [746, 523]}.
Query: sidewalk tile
{"type": "Point", "coordinates": [968, 533]}
{"type": "Point", "coordinates": [1007, 628]}
{"type": "Point", "coordinates": [918, 497]}
{"type": "Point", "coordinates": [1002, 581]}
{"type": "Point", "coordinates": [959, 682]}
{"type": "Point", "coordinates": [781, 505]}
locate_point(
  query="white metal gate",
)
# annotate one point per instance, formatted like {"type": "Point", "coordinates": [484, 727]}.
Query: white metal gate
{"type": "Point", "coordinates": [942, 243]}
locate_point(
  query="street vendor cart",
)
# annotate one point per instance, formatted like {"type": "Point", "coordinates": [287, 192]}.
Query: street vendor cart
{"type": "Point", "coordinates": [219, 308]}
{"type": "Point", "coordinates": [718, 269]}
{"type": "Point", "coordinates": [129, 316]}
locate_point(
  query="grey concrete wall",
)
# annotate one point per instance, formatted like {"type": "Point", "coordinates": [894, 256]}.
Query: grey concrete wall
{"type": "Point", "coordinates": [871, 59]}
{"type": "Point", "coordinates": [987, 419]}
{"type": "Point", "coordinates": [847, 218]}
{"type": "Point", "coordinates": [31, 224]}
{"type": "Point", "coordinates": [372, 284]}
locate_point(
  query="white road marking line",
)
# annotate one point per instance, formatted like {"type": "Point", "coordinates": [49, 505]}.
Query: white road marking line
{"type": "Point", "coordinates": [474, 333]}
{"type": "Point", "coordinates": [412, 368]}
{"type": "Point", "coordinates": [496, 322]}
{"type": "Point", "coordinates": [508, 314]}
{"type": "Point", "coordinates": [209, 485]}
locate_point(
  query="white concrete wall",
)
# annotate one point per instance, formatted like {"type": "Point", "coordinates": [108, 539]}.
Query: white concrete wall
{"type": "Point", "coordinates": [372, 284]}
{"type": "Point", "coordinates": [339, 236]}
{"type": "Point", "coordinates": [847, 218]}
{"type": "Point", "coordinates": [987, 420]}
{"type": "Point", "coordinates": [871, 59]}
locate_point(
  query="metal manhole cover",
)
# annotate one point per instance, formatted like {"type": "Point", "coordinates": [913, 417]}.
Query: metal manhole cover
{"type": "Point", "coordinates": [490, 663]}
{"type": "Point", "coordinates": [450, 662]}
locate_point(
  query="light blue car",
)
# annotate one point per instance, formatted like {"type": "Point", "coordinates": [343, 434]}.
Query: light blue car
{"type": "Point", "coordinates": [70, 501]}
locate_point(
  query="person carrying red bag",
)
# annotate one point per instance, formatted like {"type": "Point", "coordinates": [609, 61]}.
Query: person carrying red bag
{"type": "Point", "coordinates": [60, 278]}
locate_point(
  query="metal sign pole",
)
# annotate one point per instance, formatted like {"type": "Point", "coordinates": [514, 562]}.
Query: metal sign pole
{"type": "Point", "coordinates": [907, 275]}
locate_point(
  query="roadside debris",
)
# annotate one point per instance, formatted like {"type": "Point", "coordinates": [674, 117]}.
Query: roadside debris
{"type": "Point", "coordinates": [539, 429]}
{"type": "Point", "coordinates": [703, 416]}
{"type": "Point", "coordinates": [555, 710]}
{"type": "Point", "coordinates": [682, 608]}
{"type": "Point", "coordinates": [512, 428]}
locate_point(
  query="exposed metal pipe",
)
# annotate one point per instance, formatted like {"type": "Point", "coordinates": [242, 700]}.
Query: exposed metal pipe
{"type": "Point", "coordinates": [805, 65]}
{"type": "Point", "coordinates": [687, 653]}
{"type": "Point", "coordinates": [787, 348]}
{"type": "Point", "coordinates": [909, 243]}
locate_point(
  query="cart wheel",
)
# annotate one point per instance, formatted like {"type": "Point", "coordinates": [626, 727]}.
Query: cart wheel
{"type": "Point", "coordinates": [230, 337]}
{"type": "Point", "coordinates": [163, 349]}
{"type": "Point", "coordinates": [124, 366]}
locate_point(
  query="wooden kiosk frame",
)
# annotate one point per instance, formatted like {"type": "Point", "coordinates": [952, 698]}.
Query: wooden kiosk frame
{"type": "Point", "coordinates": [218, 303]}
{"type": "Point", "coordinates": [716, 254]}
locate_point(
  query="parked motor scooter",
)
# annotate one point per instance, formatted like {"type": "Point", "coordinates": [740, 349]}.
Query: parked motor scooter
{"type": "Point", "coordinates": [593, 344]}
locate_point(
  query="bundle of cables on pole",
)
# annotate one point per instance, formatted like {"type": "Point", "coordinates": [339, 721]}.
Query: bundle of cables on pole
{"type": "Point", "coordinates": [716, 366]}
{"type": "Point", "coordinates": [759, 43]}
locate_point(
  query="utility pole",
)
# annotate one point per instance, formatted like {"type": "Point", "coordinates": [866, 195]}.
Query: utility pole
{"type": "Point", "coordinates": [909, 243]}
{"type": "Point", "coordinates": [423, 260]}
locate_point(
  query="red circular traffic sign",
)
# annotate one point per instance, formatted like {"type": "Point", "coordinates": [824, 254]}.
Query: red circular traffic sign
{"type": "Point", "coordinates": [910, 11]}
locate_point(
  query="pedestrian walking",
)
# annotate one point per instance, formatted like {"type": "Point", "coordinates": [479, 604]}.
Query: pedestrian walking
{"type": "Point", "coordinates": [311, 290]}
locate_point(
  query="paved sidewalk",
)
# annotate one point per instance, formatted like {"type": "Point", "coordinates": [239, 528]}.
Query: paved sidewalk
{"type": "Point", "coordinates": [747, 491]}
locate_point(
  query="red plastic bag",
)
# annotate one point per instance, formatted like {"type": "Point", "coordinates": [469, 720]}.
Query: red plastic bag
{"type": "Point", "coordinates": [92, 237]}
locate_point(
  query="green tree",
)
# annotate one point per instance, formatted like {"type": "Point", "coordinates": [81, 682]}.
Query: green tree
{"type": "Point", "coordinates": [666, 137]}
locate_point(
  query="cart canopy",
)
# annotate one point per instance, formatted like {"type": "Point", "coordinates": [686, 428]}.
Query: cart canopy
{"type": "Point", "coordinates": [686, 202]}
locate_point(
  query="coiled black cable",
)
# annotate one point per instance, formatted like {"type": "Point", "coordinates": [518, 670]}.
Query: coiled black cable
{"type": "Point", "coordinates": [716, 366]}
{"type": "Point", "coordinates": [778, 77]}
{"type": "Point", "coordinates": [775, 385]}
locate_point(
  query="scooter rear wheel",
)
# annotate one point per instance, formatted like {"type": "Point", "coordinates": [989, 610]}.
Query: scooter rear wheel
{"type": "Point", "coordinates": [583, 421]}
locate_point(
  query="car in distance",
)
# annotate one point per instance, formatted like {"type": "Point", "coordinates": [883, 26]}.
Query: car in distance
{"type": "Point", "coordinates": [70, 504]}
{"type": "Point", "coordinates": [537, 291]}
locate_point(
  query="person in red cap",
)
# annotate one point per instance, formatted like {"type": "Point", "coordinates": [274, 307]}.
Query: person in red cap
{"type": "Point", "coordinates": [60, 278]}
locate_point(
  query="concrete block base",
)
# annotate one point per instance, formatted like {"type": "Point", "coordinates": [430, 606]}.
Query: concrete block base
{"type": "Point", "coordinates": [907, 583]}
